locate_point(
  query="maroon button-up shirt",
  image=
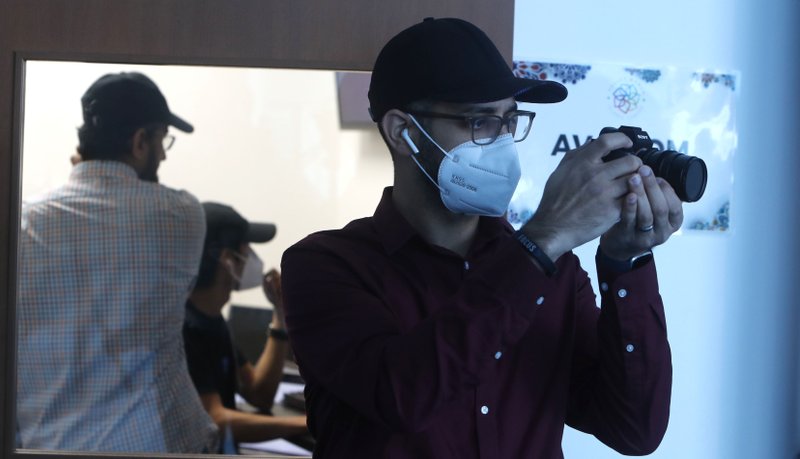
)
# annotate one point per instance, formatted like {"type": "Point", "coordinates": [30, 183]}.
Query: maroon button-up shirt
{"type": "Point", "coordinates": [409, 350]}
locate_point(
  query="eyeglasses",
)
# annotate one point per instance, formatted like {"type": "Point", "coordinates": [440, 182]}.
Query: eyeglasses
{"type": "Point", "coordinates": [486, 128]}
{"type": "Point", "coordinates": [168, 141]}
{"type": "Point", "coordinates": [154, 130]}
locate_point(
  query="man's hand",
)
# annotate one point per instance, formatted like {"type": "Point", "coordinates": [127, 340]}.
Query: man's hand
{"type": "Point", "coordinates": [583, 197]}
{"type": "Point", "coordinates": [651, 212]}
{"type": "Point", "coordinates": [272, 289]}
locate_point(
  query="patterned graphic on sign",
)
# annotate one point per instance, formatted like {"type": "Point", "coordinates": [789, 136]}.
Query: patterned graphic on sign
{"type": "Point", "coordinates": [729, 81]}
{"type": "Point", "coordinates": [647, 75]}
{"type": "Point", "coordinates": [518, 218]}
{"type": "Point", "coordinates": [718, 222]}
{"type": "Point", "coordinates": [565, 73]}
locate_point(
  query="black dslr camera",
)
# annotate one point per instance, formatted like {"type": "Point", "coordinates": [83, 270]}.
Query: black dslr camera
{"type": "Point", "coordinates": [686, 174]}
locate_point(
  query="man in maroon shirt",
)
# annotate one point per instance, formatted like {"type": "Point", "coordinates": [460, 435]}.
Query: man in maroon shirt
{"type": "Point", "coordinates": [432, 329]}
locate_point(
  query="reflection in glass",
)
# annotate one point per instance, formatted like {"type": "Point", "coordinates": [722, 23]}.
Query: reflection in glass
{"type": "Point", "coordinates": [266, 141]}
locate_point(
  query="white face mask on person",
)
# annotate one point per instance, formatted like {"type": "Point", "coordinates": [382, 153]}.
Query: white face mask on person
{"type": "Point", "coordinates": [477, 179]}
{"type": "Point", "coordinates": [252, 273]}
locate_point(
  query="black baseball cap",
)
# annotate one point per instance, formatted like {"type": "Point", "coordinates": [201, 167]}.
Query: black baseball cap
{"type": "Point", "coordinates": [223, 219]}
{"type": "Point", "coordinates": [127, 100]}
{"type": "Point", "coordinates": [448, 60]}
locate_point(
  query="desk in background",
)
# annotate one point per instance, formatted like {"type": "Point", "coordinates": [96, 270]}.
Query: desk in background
{"type": "Point", "coordinates": [300, 445]}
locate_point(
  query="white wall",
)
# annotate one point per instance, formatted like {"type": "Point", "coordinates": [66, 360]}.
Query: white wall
{"type": "Point", "coordinates": [731, 307]}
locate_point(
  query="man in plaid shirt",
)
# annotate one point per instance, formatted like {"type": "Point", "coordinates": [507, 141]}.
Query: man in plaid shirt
{"type": "Point", "coordinates": [106, 264]}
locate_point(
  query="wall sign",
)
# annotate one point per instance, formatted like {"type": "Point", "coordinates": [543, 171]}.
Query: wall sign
{"type": "Point", "coordinates": [689, 111]}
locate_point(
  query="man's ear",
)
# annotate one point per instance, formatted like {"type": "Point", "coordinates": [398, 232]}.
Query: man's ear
{"type": "Point", "coordinates": [140, 145]}
{"type": "Point", "coordinates": [226, 255]}
{"type": "Point", "coordinates": [398, 129]}
{"type": "Point", "coordinates": [226, 261]}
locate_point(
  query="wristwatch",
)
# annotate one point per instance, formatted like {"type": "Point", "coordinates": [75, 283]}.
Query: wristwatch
{"type": "Point", "coordinates": [623, 266]}
{"type": "Point", "coordinates": [278, 334]}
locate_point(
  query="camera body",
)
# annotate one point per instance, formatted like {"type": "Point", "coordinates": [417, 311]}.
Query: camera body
{"type": "Point", "coordinates": [686, 174]}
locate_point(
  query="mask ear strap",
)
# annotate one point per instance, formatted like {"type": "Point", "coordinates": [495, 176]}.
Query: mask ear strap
{"type": "Point", "coordinates": [425, 133]}
{"type": "Point", "coordinates": [428, 175]}
{"type": "Point", "coordinates": [226, 258]}
{"type": "Point", "coordinates": [414, 157]}
{"type": "Point", "coordinates": [229, 264]}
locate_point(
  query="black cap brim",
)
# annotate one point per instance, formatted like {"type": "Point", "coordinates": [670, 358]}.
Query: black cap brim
{"type": "Point", "coordinates": [179, 123]}
{"type": "Point", "coordinates": [539, 91]}
{"type": "Point", "coordinates": [260, 232]}
{"type": "Point", "coordinates": [521, 89]}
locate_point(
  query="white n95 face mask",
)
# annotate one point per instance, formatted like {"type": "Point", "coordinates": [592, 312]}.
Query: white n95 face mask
{"type": "Point", "coordinates": [477, 179]}
{"type": "Point", "coordinates": [252, 273]}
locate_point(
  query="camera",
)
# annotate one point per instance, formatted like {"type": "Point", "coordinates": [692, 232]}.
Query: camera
{"type": "Point", "coordinates": [686, 174]}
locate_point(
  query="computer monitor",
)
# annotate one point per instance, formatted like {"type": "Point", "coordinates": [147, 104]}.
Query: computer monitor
{"type": "Point", "coordinates": [249, 326]}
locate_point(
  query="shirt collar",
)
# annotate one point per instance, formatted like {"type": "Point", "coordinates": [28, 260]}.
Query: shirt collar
{"type": "Point", "coordinates": [195, 316]}
{"type": "Point", "coordinates": [97, 168]}
{"type": "Point", "coordinates": [394, 230]}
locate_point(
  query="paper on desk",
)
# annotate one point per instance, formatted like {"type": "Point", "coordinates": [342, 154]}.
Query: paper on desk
{"type": "Point", "coordinates": [287, 387]}
{"type": "Point", "coordinates": [278, 446]}
{"type": "Point", "coordinates": [280, 392]}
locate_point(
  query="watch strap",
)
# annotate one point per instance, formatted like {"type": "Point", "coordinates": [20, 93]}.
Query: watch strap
{"type": "Point", "coordinates": [278, 334]}
{"type": "Point", "coordinates": [623, 266]}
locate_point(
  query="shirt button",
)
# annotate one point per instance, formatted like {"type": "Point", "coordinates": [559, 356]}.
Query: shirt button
{"type": "Point", "coordinates": [629, 348]}
{"type": "Point", "coordinates": [484, 409]}
{"type": "Point", "coordinates": [466, 265]}
{"type": "Point", "coordinates": [497, 355]}
{"type": "Point", "coordinates": [622, 293]}
{"type": "Point", "coordinates": [604, 287]}
{"type": "Point", "coordinates": [540, 300]}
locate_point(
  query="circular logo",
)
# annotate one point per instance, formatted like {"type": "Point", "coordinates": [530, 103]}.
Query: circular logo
{"type": "Point", "coordinates": [626, 98]}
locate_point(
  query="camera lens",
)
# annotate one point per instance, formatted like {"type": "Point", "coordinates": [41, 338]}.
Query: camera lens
{"type": "Point", "coordinates": [669, 166]}
{"type": "Point", "coordinates": [686, 174]}
{"type": "Point", "coordinates": [695, 176]}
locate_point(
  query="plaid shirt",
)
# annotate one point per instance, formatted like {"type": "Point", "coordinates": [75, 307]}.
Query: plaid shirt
{"type": "Point", "coordinates": [106, 265]}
